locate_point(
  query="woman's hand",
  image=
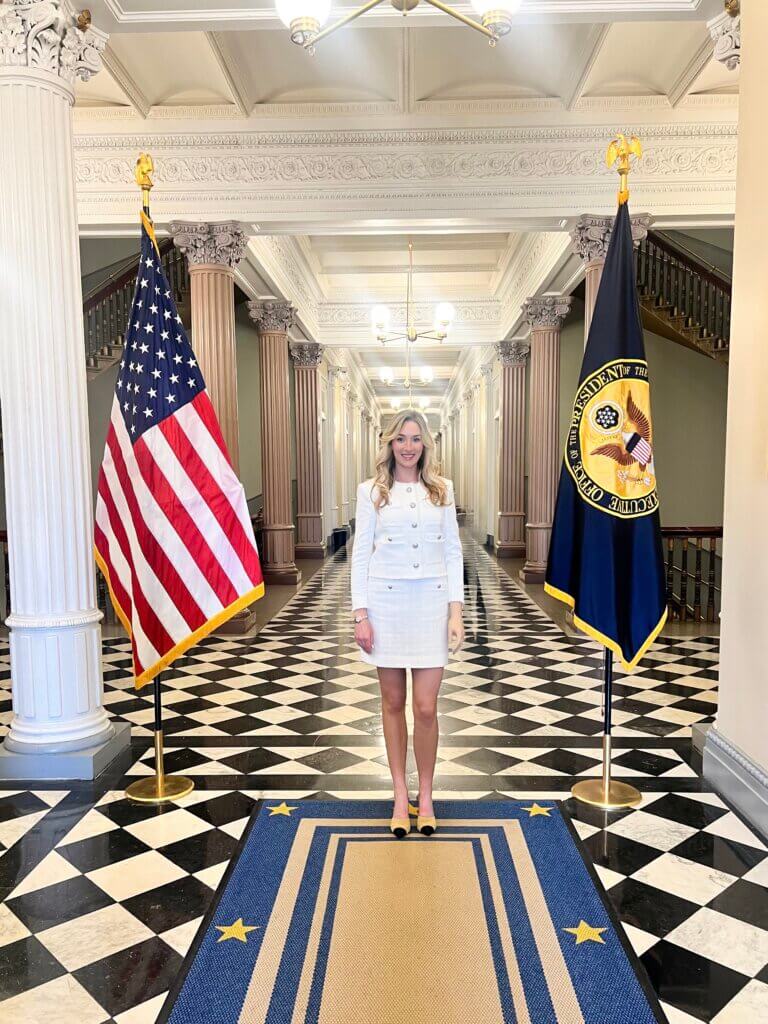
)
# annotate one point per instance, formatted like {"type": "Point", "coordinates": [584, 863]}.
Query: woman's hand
{"type": "Point", "coordinates": [455, 629]}
{"type": "Point", "coordinates": [364, 635]}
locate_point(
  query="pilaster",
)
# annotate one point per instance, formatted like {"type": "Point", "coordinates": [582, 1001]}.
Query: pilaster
{"type": "Point", "coordinates": [307, 357]}
{"type": "Point", "coordinates": [510, 542]}
{"type": "Point", "coordinates": [545, 315]}
{"type": "Point", "coordinates": [273, 318]}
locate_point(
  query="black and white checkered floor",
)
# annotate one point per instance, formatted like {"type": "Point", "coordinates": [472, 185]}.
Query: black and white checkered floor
{"type": "Point", "coordinates": [102, 898]}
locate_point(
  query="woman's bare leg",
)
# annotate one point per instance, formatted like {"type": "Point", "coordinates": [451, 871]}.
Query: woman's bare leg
{"type": "Point", "coordinates": [426, 686]}
{"type": "Point", "coordinates": [392, 683]}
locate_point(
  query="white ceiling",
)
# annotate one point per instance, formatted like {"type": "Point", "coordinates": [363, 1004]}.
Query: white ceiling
{"type": "Point", "coordinates": [431, 59]}
{"type": "Point", "coordinates": [212, 60]}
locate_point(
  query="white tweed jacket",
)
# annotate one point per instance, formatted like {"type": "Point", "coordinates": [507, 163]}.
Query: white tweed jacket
{"type": "Point", "coordinates": [409, 538]}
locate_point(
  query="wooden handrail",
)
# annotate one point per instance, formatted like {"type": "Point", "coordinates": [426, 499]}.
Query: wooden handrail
{"type": "Point", "coordinates": [692, 531]}
{"type": "Point", "coordinates": [680, 252]}
{"type": "Point", "coordinates": [115, 282]}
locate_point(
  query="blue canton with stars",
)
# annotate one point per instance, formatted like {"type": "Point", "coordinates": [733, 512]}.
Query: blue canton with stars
{"type": "Point", "coordinates": [158, 372]}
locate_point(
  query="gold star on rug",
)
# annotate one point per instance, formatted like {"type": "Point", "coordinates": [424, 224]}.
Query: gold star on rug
{"type": "Point", "coordinates": [535, 810]}
{"type": "Point", "coordinates": [586, 933]}
{"type": "Point", "coordinates": [282, 808]}
{"type": "Point", "coordinates": [238, 930]}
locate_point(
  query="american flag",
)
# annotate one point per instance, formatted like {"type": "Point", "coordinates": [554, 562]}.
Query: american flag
{"type": "Point", "coordinates": [173, 536]}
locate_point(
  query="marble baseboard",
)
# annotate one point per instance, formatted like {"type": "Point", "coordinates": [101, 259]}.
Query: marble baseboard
{"type": "Point", "coordinates": [737, 778]}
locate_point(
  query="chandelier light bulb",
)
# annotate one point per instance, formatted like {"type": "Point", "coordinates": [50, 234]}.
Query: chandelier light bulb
{"type": "Point", "coordinates": [426, 374]}
{"type": "Point", "coordinates": [380, 319]}
{"type": "Point", "coordinates": [424, 402]}
{"type": "Point", "coordinates": [304, 18]}
{"type": "Point", "coordinates": [386, 375]}
{"type": "Point", "coordinates": [395, 403]}
{"type": "Point", "coordinates": [444, 317]}
{"type": "Point", "coordinates": [496, 15]}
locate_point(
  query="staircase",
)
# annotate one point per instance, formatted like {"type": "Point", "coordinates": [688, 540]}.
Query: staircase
{"type": "Point", "coordinates": [682, 297]}
{"type": "Point", "coordinates": [106, 309]}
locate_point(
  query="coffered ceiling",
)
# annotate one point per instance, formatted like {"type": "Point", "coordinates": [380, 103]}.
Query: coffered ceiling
{"type": "Point", "coordinates": [238, 58]}
{"type": "Point", "coordinates": [398, 129]}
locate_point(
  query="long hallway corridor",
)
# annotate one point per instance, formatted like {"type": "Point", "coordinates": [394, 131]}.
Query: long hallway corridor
{"type": "Point", "coordinates": [103, 898]}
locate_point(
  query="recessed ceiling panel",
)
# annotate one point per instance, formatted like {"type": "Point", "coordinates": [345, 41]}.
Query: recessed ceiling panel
{"type": "Point", "coordinates": [355, 64]}
{"type": "Point", "coordinates": [644, 58]}
{"type": "Point", "coordinates": [100, 91]}
{"type": "Point", "coordinates": [172, 68]}
{"type": "Point", "coordinates": [533, 60]}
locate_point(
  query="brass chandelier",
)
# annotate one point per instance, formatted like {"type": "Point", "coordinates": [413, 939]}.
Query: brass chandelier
{"type": "Point", "coordinates": [305, 18]}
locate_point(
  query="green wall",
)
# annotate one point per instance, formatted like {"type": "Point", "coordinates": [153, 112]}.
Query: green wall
{"type": "Point", "coordinates": [688, 399]}
{"type": "Point", "coordinates": [248, 401]}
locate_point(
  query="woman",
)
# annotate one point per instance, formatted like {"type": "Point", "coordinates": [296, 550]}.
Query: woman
{"type": "Point", "coordinates": [407, 596]}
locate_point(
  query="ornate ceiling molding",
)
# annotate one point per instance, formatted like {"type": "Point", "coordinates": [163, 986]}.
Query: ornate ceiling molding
{"type": "Point", "coordinates": [323, 180]}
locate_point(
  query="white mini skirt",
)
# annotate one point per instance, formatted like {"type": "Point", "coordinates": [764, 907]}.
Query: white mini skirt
{"type": "Point", "coordinates": [409, 619]}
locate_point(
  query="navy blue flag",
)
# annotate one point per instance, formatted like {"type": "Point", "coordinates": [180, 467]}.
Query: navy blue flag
{"type": "Point", "coordinates": [605, 557]}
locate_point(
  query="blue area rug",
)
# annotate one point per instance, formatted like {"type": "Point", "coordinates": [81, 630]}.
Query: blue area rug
{"type": "Point", "coordinates": [325, 918]}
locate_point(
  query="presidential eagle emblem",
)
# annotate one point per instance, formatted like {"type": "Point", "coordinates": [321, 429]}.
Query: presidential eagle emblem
{"type": "Point", "coordinates": [634, 449]}
{"type": "Point", "coordinates": [609, 451]}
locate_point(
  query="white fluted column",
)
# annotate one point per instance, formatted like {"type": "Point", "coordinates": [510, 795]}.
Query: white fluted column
{"type": "Point", "coordinates": [213, 251]}
{"type": "Point", "coordinates": [545, 314]}
{"type": "Point", "coordinates": [55, 633]}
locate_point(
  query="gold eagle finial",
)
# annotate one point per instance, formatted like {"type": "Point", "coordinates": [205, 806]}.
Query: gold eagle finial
{"type": "Point", "coordinates": [619, 152]}
{"type": "Point", "coordinates": [144, 167]}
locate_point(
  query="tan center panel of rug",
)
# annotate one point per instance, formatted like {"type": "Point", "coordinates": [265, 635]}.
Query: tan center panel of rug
{"type": "Point", "coordinates": [420, 946]}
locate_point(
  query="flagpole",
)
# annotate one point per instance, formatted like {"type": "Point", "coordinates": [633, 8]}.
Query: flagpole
{"type": "Point", "coordinates": [160, 788]}
{"type": "Point", "coordinates": [605, 792]}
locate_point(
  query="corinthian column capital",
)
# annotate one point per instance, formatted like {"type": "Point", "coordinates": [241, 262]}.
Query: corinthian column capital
{"type": "Point", "coordinates": [44, 35]}
{"type": "Point", "coordinates": [273, 315]}
{"type": "Point", "coordinates": [725, 29]}
{"type": "Point", "coordinates": [512, 353]}
{"type": "Point", "coordinates": [306, 353]}
{"type": "Point", "coordinates": [592, 234]}
{"type": "Point", "coordinates": [546, 311]}
{"type": "Point", "coordinates": [221, 243]}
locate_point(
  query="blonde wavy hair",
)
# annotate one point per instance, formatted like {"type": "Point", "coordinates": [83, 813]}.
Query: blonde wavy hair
{"type": "Point", "coordinates": [384, 475]}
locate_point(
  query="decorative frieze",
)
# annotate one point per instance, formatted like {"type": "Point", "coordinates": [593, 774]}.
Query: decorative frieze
{"type": "Point", "coordinates": [547, 311]}
{"type": "Point", "coordinates": [44, 35]}
{"type": "Point", "coordinates": [222, 243]}
{"type": "Point", "coordinates": [272, 315]}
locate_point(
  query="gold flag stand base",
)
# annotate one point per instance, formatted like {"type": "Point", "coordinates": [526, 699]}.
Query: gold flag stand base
{"type": "Point", "coordinates": [605, 792]}
{"type": "Point", "coordinates": [592, 791]}
{"type": "Point", "coordinates": [160, 788]}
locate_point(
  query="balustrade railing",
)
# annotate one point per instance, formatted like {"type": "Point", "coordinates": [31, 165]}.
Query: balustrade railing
{"type": "Point", "coordinates": [693, 571]}
{"type": "Point", "coordinates": [693, 293]}
{"type": "Point", "coordinates": [107, 308]}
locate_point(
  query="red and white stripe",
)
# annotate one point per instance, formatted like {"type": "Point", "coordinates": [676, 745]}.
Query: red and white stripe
{"type": "Point", "coordinates": [173, 532]}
